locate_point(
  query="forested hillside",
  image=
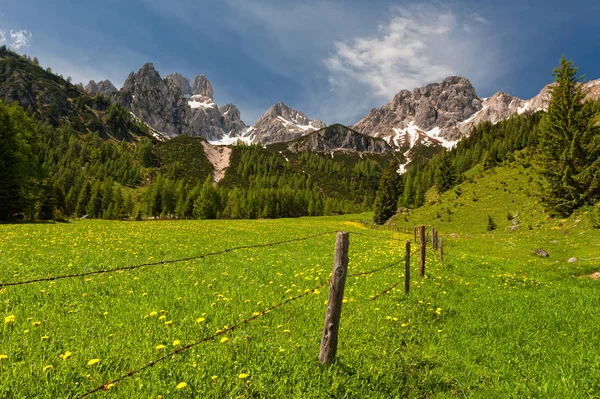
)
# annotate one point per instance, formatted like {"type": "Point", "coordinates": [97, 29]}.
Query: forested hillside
{"type": "Point", "coordinates": [67, 153]}
{"type": "Point", "coordinates": [558, 149]}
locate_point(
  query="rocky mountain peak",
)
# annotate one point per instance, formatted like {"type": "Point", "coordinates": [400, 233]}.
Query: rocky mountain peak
{"type": "Point", "coordinates": [202, 87]}
{"type": "Point", "coordinates": [178, 81]}
{"type": "Point", "coordinates": [103, 87]}
{"type": "Point", "coordinates": [339, 138]}
{"type": "Point", "coordinates": [283, 123]}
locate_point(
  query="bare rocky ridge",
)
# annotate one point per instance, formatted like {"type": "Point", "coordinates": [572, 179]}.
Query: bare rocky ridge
{"type": "Point", "coordinates": [103, 87]}
{"type": "Point", "coordinates": [339, 138]}
{"type": "Point", "coordinates": [443, 113]}
{"type": "Point", "coordinates": [282, 123]}
{"type": "Point", "coordinates": [173, 107]}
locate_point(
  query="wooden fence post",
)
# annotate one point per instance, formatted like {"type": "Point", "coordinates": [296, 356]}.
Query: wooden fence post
{"type": "Point", "coordinates": [329, 339]}
{"type": "Point", "coordinates": [415, 231]}
{"type": "Point", "coordinates": [441, 251]}
{"type": "Point", "coordinates": [423, 250]}
{"type": "Point", "coordinates": [407, 268]}
{"type": "Point", "coordinates": [432, 238]}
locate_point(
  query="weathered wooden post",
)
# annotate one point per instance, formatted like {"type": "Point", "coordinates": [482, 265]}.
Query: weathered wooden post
{"type": "Point", "coordinates": [329, 339]}
{"type": "Point", "coordinates": [407, 268]}
{"type": "Point", "coordinates": [441, 251]}
{"type": "Point", "coordinates": [433, 238]}
{"type": "Point", "coordinates": [423, 250]}
{"type": "Point", "coordinates": [415, 231]}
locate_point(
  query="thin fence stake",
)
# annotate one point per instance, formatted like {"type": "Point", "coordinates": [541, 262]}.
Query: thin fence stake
{"type": "Point", "coordinates": [329, 339]}
{"type": "Point", "coordinates": [423, 250]}
{"type": "Point", "coordinates": [441, 251]}
{"type": "Point", "coordinates": [415, 231]}
{"type": "Point", "coordinates": [407, 268]}
{"type": "Point", "coordinates": [432, 238]}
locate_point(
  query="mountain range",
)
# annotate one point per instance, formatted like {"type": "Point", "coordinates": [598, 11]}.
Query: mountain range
{"type": "Point", "coordinates": [436, 115]}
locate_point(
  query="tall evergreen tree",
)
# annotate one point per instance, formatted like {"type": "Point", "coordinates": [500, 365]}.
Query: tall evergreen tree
{"type": "Point", "coordinates": [387, 195]}
{"type": "Point", "coordinates": [569, 145]}
{"type": "Point", "coordinates": [445, 174]}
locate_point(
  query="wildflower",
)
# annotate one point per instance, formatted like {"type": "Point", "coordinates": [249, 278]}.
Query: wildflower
{"type": "Point", "coordinates": [10, 319]}
{"type": "Point", "coordinates": [153, 313]}
{"type": "Point", "coordinates": [286, 331]}
{"type": "Point", "coordinates": [181, 385]}
{"type": "Point", "coordinates": [109, 386]}
{"type": "Point", "coordinates": [224, 339]}
{"type": "Point", "coordinates": [243, 376]}
{"type": "Point", "coordinates": [48, 367]}
{"type": "Point", "coordinates": [162, 317]}
{"type": "Point", "coordinates": [404, 325]}
{"type": "Point", "coordinates": [200, 319]}
{"type": "Point", "coordinates": [214, 377]}
{"type": "Point", "coordinates": [159, 347]}
{"type": "Point", "coordinates": [168, 322]}
{"type": "Point", "coordinates": [176, 342]}
{"type": "Point", "coordinates": [93, 361]}
{"type": "Point", "coordinates": [2, 357]}
{"type": "Point", "coordinates": [45, 337]}
{"type": "Point", "coordinates": [36, 323]}
{"type": "Point", "coordinates": [66, 355]}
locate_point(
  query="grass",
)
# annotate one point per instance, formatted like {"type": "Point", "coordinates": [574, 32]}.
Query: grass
{"type": "Point", "coordinates": [493, 321]}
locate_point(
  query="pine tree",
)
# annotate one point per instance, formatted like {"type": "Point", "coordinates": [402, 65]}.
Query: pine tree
{"type": "Point", "coordinates": [491, 224]}
{"type": "Point", "coordinates": [445, 174]}
{"type": "Point", "coordinates": [569, 146]}
{"type": "Point", "coordinates": [387, 195]}
{"type": "Point", "coordinates": [207, 203]}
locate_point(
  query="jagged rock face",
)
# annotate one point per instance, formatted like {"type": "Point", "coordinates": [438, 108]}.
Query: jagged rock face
{"type": "Point", "coordinates": [173, 107]}
{"type": "Point", "coordinates": [435, 105]}
{"type": "Point", "coordinates": [177, 81]}
{"type": "Point", "coordinates": [103, 87]}
{"type": "Point", "coordinates": [202, 87]}
{"type": "Point", "coordinates": [231, 119]}
{"type": "Point", "coordinates": [282, 123]}
{"type": "Point", "coordinates": [339, 138]}
{"type": "Point", "coordinates": [152, 100]}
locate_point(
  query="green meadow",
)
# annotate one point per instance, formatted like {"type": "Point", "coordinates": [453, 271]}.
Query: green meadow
{"type": "Point", "coordinates": [493, 321]}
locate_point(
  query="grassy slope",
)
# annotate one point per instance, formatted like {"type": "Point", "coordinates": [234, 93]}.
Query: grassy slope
{"type": "Point", "coordinates": [508, 324]}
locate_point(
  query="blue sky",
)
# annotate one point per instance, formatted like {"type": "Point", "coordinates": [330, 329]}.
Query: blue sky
{"type": "Point", "coordinates": [332, 59]}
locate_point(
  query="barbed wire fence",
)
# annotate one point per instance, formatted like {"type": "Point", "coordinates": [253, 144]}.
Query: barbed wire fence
{"type": "Point", "coordinates": [333, 282]}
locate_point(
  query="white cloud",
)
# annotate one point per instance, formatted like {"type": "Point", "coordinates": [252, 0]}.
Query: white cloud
{"type": "Point", "coordinates": [418, 45]}
{"type": "Point", "coordinates": [18, 38]}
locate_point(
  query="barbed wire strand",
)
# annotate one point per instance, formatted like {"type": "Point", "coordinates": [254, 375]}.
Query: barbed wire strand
{"type": "Point", "coordinates": [163, 262]}
{"type": "Point", "coordinates": [105, 386]}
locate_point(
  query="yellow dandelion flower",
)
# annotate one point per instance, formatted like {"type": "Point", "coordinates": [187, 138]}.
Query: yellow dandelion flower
{"type": "Point", "coordinates": [2, 357]}
{"type": "Point", "coordinates": [176, 342]}
{"type": "Point", "coordinates": [255, 314]}
{"type": "Point", "coordinates": [181, 385]}
{"type": "Point", "coordinates": [36, 323]}
{"type": "Point", "coordinates": [153, 313]}
{"type": "Point", "coordinates": [224, 339]}
{"type": "Point", "coordinates": [200, 319]}
{"type": "Point", "coordinates": [162, 317]}
{"type": "Point", "coordinates": [45, 337]}
{"type": "Point", "coordinates": [66, 355]}
{"type": "Point", "coordinates": [214, 377]}
{"type": "Point", "coordinates": [286, 331]}
{"type": "Point", "coordinates": [388, 317]}
{"type": "Point", "coordinates": [109, 386]}
{"type": "Point", "coordinates": [10, 319]}
{"type": "Point", "coordinates": [168, 322]}
{"type": "Point", "coordinates": [403, 325]}
{"type": "Point", "coordinates": [48, 367]}
{"type": "Point", "coordinates": [93, 361]}
{"type": "Point", "coordinates": [243, 376]}
{"type": "Point", "coordinates": [159, 347]}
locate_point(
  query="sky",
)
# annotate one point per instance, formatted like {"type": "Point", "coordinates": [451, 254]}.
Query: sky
{"type": "Point", "coordinates": [334, 60]}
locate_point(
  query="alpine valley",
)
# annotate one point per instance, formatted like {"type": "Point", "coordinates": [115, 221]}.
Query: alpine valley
{"type": "Point", "coordinates": [162, 147]}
